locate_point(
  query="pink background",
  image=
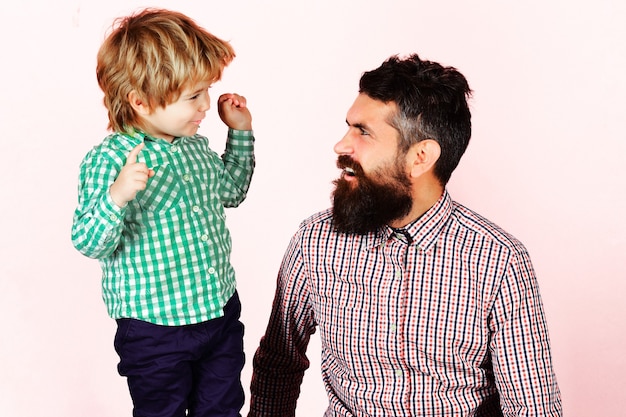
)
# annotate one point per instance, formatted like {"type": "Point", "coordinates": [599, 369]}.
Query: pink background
{"type": "Point", "coordinates": [546, 162]}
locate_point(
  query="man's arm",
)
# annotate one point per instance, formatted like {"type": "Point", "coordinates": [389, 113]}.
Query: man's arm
{"type": "Point", "coordinates": [280, 360]}
{"type": "Point", "coordinates": [520, 346]}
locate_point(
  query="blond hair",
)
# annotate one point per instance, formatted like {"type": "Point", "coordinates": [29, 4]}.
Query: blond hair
{"type": "Point", "coordinates": [156, 53]}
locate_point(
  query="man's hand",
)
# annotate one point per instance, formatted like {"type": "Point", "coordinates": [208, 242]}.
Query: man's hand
{"type": "Point", "coordinates": [234, 112]}
{"type": "Point", "coordinates": [132, 178]}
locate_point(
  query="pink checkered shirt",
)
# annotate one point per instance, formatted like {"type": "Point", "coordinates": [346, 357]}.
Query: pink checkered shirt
{"type": "Point", "coordinates": [446, 322]}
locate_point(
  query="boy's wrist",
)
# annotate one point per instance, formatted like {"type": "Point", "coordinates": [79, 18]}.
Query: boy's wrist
{"type": "Point", "coordinates": [111, 210]}
{"type": "Point", "coordinates": [240, 132]}
{"type": "Point", "coordinates": [243, 126]}
{"type": "Point", "coordinates": [119, 202]}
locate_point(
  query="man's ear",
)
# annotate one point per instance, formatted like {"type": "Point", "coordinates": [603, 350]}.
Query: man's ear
{"type": "Point", "coordinates": [422, 157]}
{"type": "Point", "coordinates": [138, 103]}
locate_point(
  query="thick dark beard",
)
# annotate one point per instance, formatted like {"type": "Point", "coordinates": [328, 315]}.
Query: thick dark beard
{"type": "Point", "coordinates": [367, 205]}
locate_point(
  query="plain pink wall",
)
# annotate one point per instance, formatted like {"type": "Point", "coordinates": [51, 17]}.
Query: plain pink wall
{"type": "Point", "coordinates": [546, 162]}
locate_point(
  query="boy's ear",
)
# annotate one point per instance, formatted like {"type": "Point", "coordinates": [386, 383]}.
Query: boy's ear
{"type": "Point", "coordinates": [138, 103]}
{"type": "Point", "coordinates": [423, 156]}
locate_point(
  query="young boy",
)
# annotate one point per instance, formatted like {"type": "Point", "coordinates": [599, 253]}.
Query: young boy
{"type": "Point", "coordinates": [151, 210]}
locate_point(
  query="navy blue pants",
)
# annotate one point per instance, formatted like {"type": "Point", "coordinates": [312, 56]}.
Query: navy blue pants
{"type": "Point", "coordinates": [176, 371]}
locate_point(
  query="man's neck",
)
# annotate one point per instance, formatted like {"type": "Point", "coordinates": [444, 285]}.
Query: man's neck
{"type": "Point", "coordinates": [424, 198]}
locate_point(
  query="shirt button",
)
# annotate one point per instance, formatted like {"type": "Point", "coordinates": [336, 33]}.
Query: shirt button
{"type": "Point", "coordinates": [186, 177]}
{"type": "Point", "coordinates": [195, 209]}
{"type": "Point", "coordinates": [174, 149]}
{"type": "Point", "coordinates": [113, 217]}
{"type": "Point", "coordinates": [398, 274]}
{"type": "Point", "coordinates": [204, 238]}
{"type": "Point", "coordinates": [398, 372]}
{"type": "Point", "coordinates": [211, 270]}
{"type": "Point", "coordinates": [393, 327]}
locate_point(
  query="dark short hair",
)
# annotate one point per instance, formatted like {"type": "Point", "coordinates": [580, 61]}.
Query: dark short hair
{"type": "Point", "coordinates": [432, 103]}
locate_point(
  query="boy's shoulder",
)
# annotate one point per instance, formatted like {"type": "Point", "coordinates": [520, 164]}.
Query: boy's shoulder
{"type": "Point", "coordinates": [118, 142]}
{"type": "Point", "coordinates": [115, 146]}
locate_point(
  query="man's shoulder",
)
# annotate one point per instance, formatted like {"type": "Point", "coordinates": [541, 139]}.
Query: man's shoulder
{"type": "Point", "coordinates": [315, 227]}
{"type": "Point", "coordinates": [478, 224]}
{"type": "Point", "coordinates": [322, 218]}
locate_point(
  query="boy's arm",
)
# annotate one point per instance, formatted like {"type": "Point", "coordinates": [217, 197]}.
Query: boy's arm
{"type": "Point", "coordinates": [98, 222]}
{"type": "Point", "coordinates": [238, 167]}
{"type": "Point", "coordinates": [107, 183]}
{"type": "Point", "coordinates": [239, 155]}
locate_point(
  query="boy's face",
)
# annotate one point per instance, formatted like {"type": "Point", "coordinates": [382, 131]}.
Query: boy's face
{"type": "Point", "coordinates": [181, 117]}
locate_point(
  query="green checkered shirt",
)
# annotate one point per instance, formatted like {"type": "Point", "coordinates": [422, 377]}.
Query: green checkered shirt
{"type": "Point", "coordinates": [165, 256]}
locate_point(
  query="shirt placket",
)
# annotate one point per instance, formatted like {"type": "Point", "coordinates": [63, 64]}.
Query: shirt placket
{"type": "Point", "coordinates": [198, 214]}
{"type": "Point", "coordinates": [402, 378]}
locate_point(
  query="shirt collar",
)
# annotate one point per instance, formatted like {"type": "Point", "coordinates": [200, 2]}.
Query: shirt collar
{"type": "Point", "coordinates": [142, 136]}
{"type": "Point", "coordinates": [422, 231]}
{"type": "Point", "coordinates": [137, 135]}
{"type": "Point", "coordinates": [426, 229]}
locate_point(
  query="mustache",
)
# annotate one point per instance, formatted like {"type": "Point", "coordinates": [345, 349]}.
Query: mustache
{"type": "Point", "coordinates": [345, 161]}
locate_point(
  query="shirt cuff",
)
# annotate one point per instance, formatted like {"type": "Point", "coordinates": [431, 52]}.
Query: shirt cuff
{"type": "Point", "coordinates": [111, 211]}
{"type": "Point", "coordinates": [240, 141]}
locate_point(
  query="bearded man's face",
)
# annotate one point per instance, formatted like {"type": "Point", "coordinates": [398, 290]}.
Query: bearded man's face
{"type": "Point", "coordinates": [363, 203]}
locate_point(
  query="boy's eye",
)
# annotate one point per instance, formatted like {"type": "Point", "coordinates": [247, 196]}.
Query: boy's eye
{"type": "Point", "coordinates": [199, 93]}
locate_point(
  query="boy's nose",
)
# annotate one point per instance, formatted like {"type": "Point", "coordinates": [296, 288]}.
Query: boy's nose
{"type": "Point", "coordinates": [205, 104]}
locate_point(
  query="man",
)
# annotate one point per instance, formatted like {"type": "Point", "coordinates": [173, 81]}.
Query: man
{"type": "Point", "coordinates": [424, 307]}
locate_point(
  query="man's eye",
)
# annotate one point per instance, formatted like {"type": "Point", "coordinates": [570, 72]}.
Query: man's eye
{"type": "Point", "coordinates": [364, 132]}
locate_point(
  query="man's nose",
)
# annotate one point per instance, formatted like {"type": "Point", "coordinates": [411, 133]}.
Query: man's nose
{"type": "Point", "coordinates": [344, 146]}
